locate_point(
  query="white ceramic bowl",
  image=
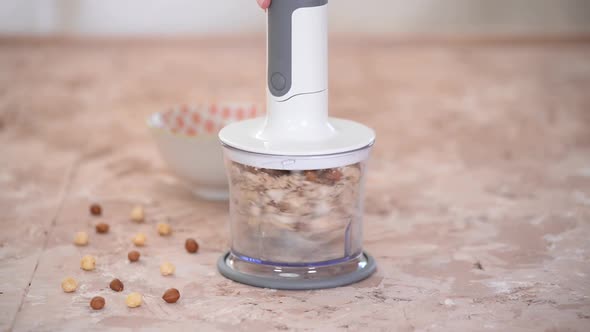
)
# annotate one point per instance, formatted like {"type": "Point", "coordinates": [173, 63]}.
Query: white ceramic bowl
{"type": "Point", "coordinates": [187, 139]}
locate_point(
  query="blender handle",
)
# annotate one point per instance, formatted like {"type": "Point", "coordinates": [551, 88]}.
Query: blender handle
{"type": "Point", "coordinates": [297, 48]}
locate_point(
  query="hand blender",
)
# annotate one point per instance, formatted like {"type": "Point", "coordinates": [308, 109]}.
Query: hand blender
{"type": "Point", "coordinates": [296, 176]}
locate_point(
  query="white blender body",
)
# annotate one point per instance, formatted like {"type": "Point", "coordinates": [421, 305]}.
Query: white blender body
{"type": "Point", "coordinates": [296, 176]}
{"type": "Point", "coordinates": [297, 121]}
{"type": "Point", "coordinates": [301, 113]}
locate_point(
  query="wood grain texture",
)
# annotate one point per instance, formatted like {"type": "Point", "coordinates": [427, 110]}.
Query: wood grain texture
{"type": "Point", "coordinates": [483, 155]}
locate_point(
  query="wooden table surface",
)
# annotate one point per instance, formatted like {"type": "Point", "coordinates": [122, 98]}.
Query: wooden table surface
{"type": "Point", "coordinates": [483, 155]}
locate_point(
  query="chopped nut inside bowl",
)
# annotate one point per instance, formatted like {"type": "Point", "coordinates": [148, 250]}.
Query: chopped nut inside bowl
{"type": "Point", "coordinates": [296, 216]}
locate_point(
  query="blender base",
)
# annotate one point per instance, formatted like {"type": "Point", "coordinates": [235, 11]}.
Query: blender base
{"type": "Point", "coordinates": [364, 266]}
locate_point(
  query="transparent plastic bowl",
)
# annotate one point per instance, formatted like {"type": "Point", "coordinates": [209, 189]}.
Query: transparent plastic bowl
{"type": "Point", "coordinates": [296, 223]}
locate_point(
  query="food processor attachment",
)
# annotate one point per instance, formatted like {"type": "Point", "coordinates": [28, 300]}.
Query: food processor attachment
{"type": "Point", "coordinates": [296, 176]}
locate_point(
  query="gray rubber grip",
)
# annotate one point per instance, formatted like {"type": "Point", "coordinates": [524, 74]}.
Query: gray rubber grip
{"type": "Point", "coordinates": [279, 42]}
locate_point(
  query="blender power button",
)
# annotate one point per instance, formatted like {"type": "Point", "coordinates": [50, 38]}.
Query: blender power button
{"type": "Point", "coordinates": [278, 81]}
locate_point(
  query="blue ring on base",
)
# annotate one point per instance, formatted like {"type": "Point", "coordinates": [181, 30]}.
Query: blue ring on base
{"type": "Point", "coordinates": [297, 284]}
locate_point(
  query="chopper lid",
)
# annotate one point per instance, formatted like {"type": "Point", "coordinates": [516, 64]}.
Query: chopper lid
{"type": "Point", "coordinates": [254, 136]}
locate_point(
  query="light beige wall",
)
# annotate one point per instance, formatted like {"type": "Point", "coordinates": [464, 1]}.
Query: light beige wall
{"type": "Point", "coordinates": [188, 17]}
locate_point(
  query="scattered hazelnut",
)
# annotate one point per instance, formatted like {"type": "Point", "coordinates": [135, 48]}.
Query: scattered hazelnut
{"type": "Point", "coordinates": [81, 239]}
{"type": "Point", "coordinates": [139, 239]}
{"type": "Point", "coordinates": [133, 300]}
{"type": "Point", "coordinates": [102, 228]}
{"type": "Point", "coordinates": [164, 229]}
{"type": "Point", "coordinates": [171, 295]}
{"type": "Point", "coordinates": [97, 302]}
{"type": "Point", "coordinates": [116, 285]}
{"type": "Point", "coordinates": [191, 246]}
{"type": "Point", "coordinates": [137, 214]}
{"type": "Point", "coordinates": [133, 255]}
{"type": "Point", "coordinates": [95, 210]}
{"type": "Point", "coordinates": [88, 263]}
{"type": "Point", "coordinates": [167, 269]}
{"type": "Point", "coordinates": [69, 285]}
